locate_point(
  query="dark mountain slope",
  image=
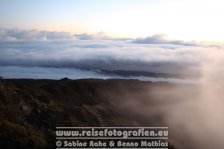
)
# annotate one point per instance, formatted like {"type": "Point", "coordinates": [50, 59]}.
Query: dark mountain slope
{"type": "Point", "coordinates": [31, 109]}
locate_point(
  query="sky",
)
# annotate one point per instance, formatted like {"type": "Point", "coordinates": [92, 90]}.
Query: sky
{"type": "Point", "coordinates": [199, 20]}
{"type": "Point", "coordinates": [154, 36]}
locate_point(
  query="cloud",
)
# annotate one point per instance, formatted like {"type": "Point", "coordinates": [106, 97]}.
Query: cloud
{"type": "Point", "coordinates": [101, 55]}
{"type": "Point", "coordinates": [59, 49]}
{"type": "Point", "coordinates": [162, 39]}
{"type": "Point", "coordinates": [98, 36]}
{"type": "Point", "coordinates": [18, 34]}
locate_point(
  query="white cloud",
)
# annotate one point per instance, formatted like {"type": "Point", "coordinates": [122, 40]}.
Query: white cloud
{"type": "Point", "coordinates": [18, 34]}
{"type": "Point", "coordinates": [27, 48]}
{"type": "Point", "coordinates": [162, 39]}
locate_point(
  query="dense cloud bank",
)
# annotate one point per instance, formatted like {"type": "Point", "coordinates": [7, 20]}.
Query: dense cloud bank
{"type": "Point", "coordinates": [99, 52]}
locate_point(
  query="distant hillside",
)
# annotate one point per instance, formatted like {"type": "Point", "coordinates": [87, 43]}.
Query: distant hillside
{"type": "Point", "coordinates": [31, 109]}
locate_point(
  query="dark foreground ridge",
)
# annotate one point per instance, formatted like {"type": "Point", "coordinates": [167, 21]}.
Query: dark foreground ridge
{"type": "Point", "coordinates": [30, 110]}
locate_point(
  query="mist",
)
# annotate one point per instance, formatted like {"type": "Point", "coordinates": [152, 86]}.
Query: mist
{"type": "Point", "coordinates": [193, 112]}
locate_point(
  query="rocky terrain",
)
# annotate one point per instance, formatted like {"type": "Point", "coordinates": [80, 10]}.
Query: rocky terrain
{"type": "Point", "coordinates": [30, 110]}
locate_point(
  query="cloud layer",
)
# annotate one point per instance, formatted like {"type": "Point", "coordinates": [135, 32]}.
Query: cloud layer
{"type": "Point", "coordinates": [100, 52]}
